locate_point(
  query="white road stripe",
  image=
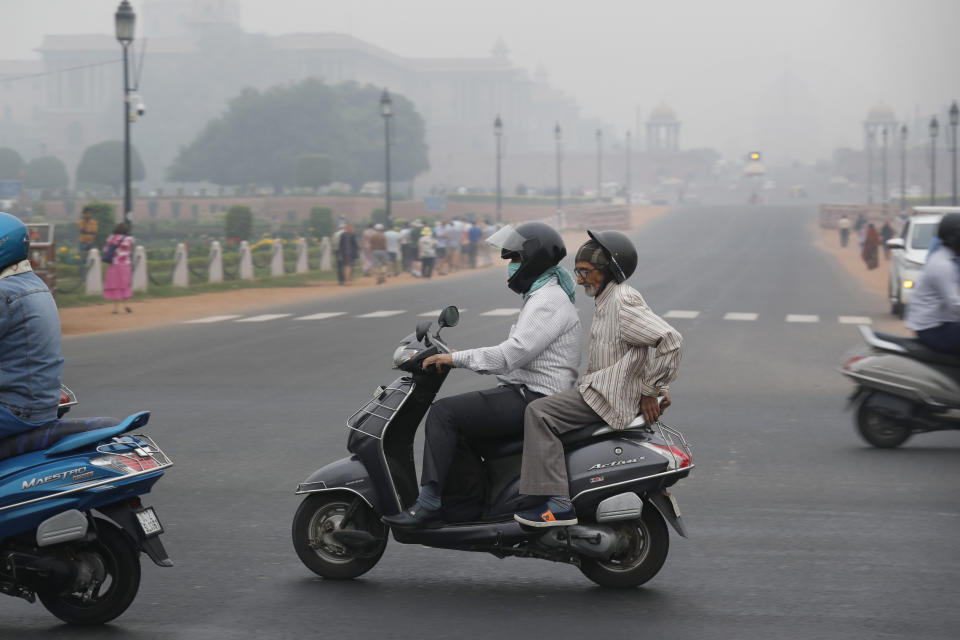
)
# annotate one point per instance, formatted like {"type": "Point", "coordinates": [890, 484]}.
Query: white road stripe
{"type": "Point", "coordinates": [210, 319]}
{"type": "Point", "coordinates": [264, 318]}
{"type": "Point", "coordinates": [854, 320]}
{"type": "Point", "coordinates": [681, 314]}
{"type": "Point", "coordinates": [382, 314]}
{"type": "Point", "coordinates": [799, 317]}
{"type": "Point", "coordinates": [430, 314]}
{"type": "Point", "coordinates": [501, 312]}
{"type": "Point", "coordinates": [322, 316]}
{"type": "Point", "coordinates": [737, 315]}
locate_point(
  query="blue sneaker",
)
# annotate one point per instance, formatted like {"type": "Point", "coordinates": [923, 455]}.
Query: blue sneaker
{"type": "Point", "coordinates": [545, 517]}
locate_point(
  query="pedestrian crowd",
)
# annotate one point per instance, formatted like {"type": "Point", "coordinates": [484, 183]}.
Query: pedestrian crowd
{"type": "Point", "coordinates": [411, 247]}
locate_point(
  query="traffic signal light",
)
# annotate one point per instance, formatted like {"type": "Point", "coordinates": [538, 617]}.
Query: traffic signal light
{"type": "Point", "coordinates": [754, 155]}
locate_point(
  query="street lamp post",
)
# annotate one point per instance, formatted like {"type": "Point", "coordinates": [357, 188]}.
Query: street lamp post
{"type": "Point", "coordinates": [934, 129]}
{"type": "Point", "coordinates": [871, 135]}
{"type": "Point", "coordinates": [599, 165]}
{"type": "Point", "coordinates": [558, 134]}
{"type": "Point", "coordinates": [903, 168]}
{"type": "Point", "coordinates": [954, 120]}
{"type": "Point", "coordinates": [125, 21]}
{"type": "Point", "coordinates": [627, 185]}
{"type": "Point", "coordinates": [498, 134]}
{"type": "Point", "coordinates": [883, 164]}
{"type": "Point", "coordinates": [386, 110]}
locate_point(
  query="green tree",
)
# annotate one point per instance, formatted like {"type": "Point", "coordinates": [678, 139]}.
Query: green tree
{"type": "Point", "coordinates": [46, 172]}
{"type": "Point", "coordinates": [321, 221]}
{"type": "Point", "coordinates": [105, 215]}
{"type": "Point", "coordinates": [313, 170]}
{"type": "Point", "coordinates": [102, 164]}
{"type": "Point", "coordinates": [10, 164]}
{"type": "Point", "coordinates": [239, 222]}
{"type": "Point", "coordinates": [261, 135]}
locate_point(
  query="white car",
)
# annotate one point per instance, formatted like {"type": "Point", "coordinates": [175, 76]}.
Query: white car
{"type": "Point", "coordinates": [910, 253]}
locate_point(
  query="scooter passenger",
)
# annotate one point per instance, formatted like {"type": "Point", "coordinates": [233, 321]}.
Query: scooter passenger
{"type": "Point", "coordinates": [934, 309]}
{"type": "Point", "coordinates": [30, 361]}
{"type": "Point", "coordinates": [540, 357]}
{"type": "Point", "coordinates": [634, 355]}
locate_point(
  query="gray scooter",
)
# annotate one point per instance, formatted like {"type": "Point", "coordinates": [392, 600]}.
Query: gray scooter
{"type": "Point", "coordinates": [903, 388]}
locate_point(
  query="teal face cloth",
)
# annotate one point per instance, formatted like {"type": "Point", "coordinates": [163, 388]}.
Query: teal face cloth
{"type": "Point", "coordinates": [561, 274]}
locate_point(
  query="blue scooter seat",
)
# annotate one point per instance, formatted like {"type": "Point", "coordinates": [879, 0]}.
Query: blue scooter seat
{"type": "Point", "coordinates": [60, 436]}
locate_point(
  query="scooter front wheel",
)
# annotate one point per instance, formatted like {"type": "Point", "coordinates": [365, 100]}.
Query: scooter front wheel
{"type": "Point", "coordinates": [879, 429]}
{"type": "Point", "coordinates": [338, 536]}
{"type": "Point", "coordinates": [641, 558]}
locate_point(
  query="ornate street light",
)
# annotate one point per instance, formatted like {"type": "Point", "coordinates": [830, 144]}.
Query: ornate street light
{"type": "Point", "coordinates": [125, 22]}
{"type": "Point", "coordinates": [871, 137]}
{"type": "Point", "coordinates": [954, 120]}
{"type": "Point", "coordinates": [883, 164]}
{"type": "Point", "coordinates": [934, 130]}
{"type": "Point", "coordinates": [903, 168]}
{"type": "Point", "coordinates": [498, 134]}
{"type": "Point", "coordinates": [386, 110]}
{"type": "Point", "coordinates": [599, 165]}
{"type": "Point", "coordinates": [558, 135]}
{"type": "Point", "coordinates": [627, 186]}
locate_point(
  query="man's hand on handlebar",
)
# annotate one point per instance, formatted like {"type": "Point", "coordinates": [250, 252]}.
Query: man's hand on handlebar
{"type": "Point", "coordinates": [438, 360]}
{"type": "Point", "coordinates": [651, 409]}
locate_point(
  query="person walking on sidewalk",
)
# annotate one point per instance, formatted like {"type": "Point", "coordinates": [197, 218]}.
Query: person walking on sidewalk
{"type": "Point", "coordinates": [116, 284]}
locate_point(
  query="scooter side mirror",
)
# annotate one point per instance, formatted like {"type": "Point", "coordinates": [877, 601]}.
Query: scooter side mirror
{"type": "Point", "coordinates": [449, 317]}
{"type": "Point", "coordinates": [422, 329]}
{"type": "Point", "coordinates": [895, 243]}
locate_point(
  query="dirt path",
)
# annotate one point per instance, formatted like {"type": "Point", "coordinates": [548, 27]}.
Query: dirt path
{"type": "Point", "coordinates": [155, 312]}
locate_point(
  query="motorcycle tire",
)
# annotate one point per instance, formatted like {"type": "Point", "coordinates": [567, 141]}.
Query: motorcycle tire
{"type": "Point", "coordinates": [880, 430]}
{"type": "Point", "coordinates": [640, 561]}
{"type": "Point", "coordinates": [321, 514]}
{"type": "Point", "coordinates": [121, 562]}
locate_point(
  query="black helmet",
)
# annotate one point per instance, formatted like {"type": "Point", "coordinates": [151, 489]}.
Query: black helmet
{"type": "Point", "coordinates": [949, 231]}
{"type": "Point", "coordinates": [537, 244]}
{"type": "Point", "coordinates": [622, 253]}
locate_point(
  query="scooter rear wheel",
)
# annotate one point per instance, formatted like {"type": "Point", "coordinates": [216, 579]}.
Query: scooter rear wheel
{"type": "Point", "coordinates": [318, 518]}
{"type": "Point", "coordinates": [880, 430]}
{"type": "Point", "coordinates": [643, 557]}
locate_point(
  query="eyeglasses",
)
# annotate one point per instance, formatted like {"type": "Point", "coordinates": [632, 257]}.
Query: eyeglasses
{"type": "Point", "coordinates": [582, 273]}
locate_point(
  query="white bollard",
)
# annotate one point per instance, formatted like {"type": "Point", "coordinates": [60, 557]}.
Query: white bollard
{"type": "Point", "coordinates": [216, 262]}
{"type": "Point", "coordinates": [276, 258]}
{"type": "Point", "coordinates": [246, 261]}
{"type": "Point", "coordinates": [94, 283]}
{"type": "Point", "coordinates": [326, 262]}
{"type": "Point", "coordinates": [302, 264]}
{"type": "Point", "coordinates": [138, 280]}
{"type": "Point", "coordinates": [181, 273]}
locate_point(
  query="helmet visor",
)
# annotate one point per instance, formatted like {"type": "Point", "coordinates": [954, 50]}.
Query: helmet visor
{"type": "Point", "coordinates": [507, 239]}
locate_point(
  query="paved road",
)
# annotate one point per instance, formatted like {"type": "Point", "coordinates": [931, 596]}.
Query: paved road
{"type": "Point", "coordinates": [798, 530]}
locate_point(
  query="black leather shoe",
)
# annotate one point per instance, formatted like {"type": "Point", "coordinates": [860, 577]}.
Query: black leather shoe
{"type": "Point", "coordinates": [415, 517]}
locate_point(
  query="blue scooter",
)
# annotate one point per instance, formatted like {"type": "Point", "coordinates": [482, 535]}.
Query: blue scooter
{"type": "Point", "coordinates": [72, 525]}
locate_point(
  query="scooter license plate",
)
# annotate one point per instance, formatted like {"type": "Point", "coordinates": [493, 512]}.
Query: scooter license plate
{"type": "Point", "coordinates": [149, 522]}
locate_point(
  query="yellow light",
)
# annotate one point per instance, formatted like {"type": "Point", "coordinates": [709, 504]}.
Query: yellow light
{"type": "Point", "coordinates": [908, 284]}
{"type": "Point", "coordinates": [754, 156]}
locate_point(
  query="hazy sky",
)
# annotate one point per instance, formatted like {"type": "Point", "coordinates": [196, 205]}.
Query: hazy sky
{"type": "Point", "coordinates": [796, 76]}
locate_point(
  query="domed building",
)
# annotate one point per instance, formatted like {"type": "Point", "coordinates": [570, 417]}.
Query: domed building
{"type": "Point", "coordinates": [663, 130]}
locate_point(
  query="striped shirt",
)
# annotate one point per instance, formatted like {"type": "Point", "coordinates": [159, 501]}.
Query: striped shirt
{"type": "Point", "coordinates": [542, 351]}
{"type": "Point", "coordinates": [622, 367]}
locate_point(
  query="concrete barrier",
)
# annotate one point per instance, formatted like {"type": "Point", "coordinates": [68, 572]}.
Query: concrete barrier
{"type": "Point", "coordinates": [181, 271]}
{"type": "Point", "coordinates": [246, 261]}
{"type": "Point", "coordinates": [216, 262]}
{"type": "Point", "coordinates": [138, 279]}
{"type": "Point", "coordinates": [326, 260]}
{"type": "Point", "coordinates": [276, 258]}
{"type": "Point", "coordinates": [302, 263]}
{"type": "Point", "coordinates": [595, 217]}
{"type": "Point", "coordinates": [93, 286]}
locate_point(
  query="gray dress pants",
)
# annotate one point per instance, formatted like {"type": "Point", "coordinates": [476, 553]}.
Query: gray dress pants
{"type": "Point", "coordinates": [543, 471]}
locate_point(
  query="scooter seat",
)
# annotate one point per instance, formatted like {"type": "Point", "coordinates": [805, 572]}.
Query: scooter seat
{"type": "Point", "coordinates": [490, 449]}
{"type": "Point", "coordinates": [918, 351]}
{"type": "Point", "coordinates": [49, 434]}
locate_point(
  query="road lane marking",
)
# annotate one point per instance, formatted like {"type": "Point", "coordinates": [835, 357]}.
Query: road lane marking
{"type": "Point", "coordinates": [264, 318]}
{"type": "Point", "coordinates": [501, 312]}
{"type": "Point", "coordinates": [737, 315]}
{"type": "Point", "coordinates": [681, 314]}
{"type": "Point", "coordinates": [210, 319]}
{"type": "Point", "coordinates": [799, 317]}
{"type": "Point", "coordinates": [854, 320]}
{"type": "Point", "coordinates": [322, 316]}
{"type": "Point", "coordinates": [382, 314]}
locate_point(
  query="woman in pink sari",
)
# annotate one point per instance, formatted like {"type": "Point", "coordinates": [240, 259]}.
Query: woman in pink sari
{"type": "Point", "coordinates": [116, 285]}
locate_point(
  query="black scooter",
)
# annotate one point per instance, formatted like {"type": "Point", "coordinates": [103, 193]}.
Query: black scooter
{"type": "Point", "coordinates": [618, 483]}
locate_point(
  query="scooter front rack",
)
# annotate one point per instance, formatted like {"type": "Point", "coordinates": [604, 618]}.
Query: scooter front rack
{"type": "Point", "coordinates": [372, 417]}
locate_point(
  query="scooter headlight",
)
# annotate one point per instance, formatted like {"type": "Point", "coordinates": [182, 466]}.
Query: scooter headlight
{"type": "Point", "coordinates": [403, 353]}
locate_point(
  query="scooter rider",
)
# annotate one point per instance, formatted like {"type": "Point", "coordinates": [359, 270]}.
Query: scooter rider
{"type": "Point", "coordinates": [540, 357]}
{"type": "Point", "coordinates": [634, 356]}
{"type": "Point", "coordinates": [934, 309]}
{"type": "Point", "coordinates": [30, 360]}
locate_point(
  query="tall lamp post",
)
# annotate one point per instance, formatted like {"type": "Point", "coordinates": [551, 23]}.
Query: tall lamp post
{"type": "Point", "coordinates": [627, 187]}
{"type": "Point", "coordinates": [954, 120]}
{"type": "Point", "coordinates": [599, 165]}
{"type": "Point", "coordinates": [498, 134]}
{"type": "Point", "coordinates": [125, 21]}
{"type": "Point", "coordinates": [883, 163]}
{"type": "Point", "coordinates": [558, 135]}
{"type": "Point", "coordinates": [386, 110]}
{"type": "Point", "coordinates": [934, 129]}
{"type": "Point", "coordinates": [871, 136]}
{"type": "Point", "coordinates": [903, 168]}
